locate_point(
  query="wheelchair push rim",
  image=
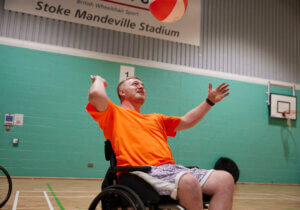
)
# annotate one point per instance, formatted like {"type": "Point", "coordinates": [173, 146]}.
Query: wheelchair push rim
{"type": "Point", "coordinates": [5, 186]}
{"type": "Point", "coordinates": [115, 197]}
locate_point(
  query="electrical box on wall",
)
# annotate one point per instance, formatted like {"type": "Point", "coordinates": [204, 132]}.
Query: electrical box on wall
{"type": "Point", "coordinates": [15, 141]}
{"type": "Point", "coordinates": [12, 119]}
{"type": "Point", "coordinates": [9, 119]}
{"type": "Point", "coordinates": [18, 120]}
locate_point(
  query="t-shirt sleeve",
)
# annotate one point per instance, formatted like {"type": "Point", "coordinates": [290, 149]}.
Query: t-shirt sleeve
{"type": "Point", "coordinates": [170, 123]}
{"type": "Point", "coordinates": [104, 118]}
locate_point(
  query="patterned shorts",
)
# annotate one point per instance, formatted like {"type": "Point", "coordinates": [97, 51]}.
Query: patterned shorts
{"type": "Point", "coordinates": [165, 178]}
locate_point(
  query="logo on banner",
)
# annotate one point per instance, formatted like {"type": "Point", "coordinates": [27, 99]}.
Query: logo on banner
{"type": "Point", "coordinates": [166, 11]}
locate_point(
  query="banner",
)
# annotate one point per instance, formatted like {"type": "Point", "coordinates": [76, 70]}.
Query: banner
{"type": "Point", "coordinates": [131, 16]}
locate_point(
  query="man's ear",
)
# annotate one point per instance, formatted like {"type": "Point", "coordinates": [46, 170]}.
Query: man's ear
{"type": "Point", "coordinates": [121, 92]}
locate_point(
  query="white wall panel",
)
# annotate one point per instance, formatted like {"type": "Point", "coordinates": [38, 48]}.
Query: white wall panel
{"type": "Point", "coordinates": [257, 38]}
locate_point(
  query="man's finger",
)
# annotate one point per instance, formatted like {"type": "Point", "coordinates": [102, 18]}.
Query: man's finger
{"type": "Point", "coordinates": [225, 91]}
{"type": "Point", "coordinates": [224, 87]}
{"type": "Point", "coordinates": [226, 95]}
{"type": "Point", "coordinates": [209, 86]}
{"type": "Point", "coordinates": [220, 86]}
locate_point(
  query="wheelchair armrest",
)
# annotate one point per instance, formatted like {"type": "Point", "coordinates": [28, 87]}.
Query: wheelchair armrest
{"type": "Point", "coordinates": [132, 168]}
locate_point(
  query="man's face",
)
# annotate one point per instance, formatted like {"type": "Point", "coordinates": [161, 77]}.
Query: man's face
{"type": "Point", "coordinates": [133, 89]}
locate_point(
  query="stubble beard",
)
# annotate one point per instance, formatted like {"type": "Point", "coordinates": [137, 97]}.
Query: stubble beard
{"type": "Point", "coordinates": [140, 99]}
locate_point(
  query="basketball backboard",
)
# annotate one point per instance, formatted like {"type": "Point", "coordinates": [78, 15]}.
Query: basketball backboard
{"type": "Point", "coordinates": [280, 104]}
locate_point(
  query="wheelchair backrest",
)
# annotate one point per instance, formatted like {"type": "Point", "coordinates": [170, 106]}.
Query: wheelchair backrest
{"type": "Point", "coordinates": [109, 154]}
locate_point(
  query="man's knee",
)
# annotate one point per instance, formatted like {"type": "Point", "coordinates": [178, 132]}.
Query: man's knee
{"type": "Point", "coordinates": [189, 180]}
{"type": "Point", "coordinates": [189, 192]}
{"type": "Point", "coordinates": [219, 181]}
{"type": "Point", "coordinates": [226, 181]}
{"type": "Point", "coordinates": [189, 184]}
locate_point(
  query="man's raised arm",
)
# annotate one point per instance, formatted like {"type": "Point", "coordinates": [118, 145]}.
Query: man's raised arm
{"type": "Point", "coordinates": [191, 118]}
{"type": "Point", "coordinates": [97, 93]}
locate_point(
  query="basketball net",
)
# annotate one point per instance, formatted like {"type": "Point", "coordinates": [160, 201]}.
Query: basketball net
{"type": "Point", "coordinates": [288, 116]}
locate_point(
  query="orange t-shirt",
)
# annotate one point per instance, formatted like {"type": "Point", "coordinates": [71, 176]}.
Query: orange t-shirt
{"type": "Point", "coordinates": [137, 139]}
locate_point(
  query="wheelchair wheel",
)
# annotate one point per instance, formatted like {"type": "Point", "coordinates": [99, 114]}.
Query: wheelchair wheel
{"type": "Point", "coordinates": [5, 186]}
{"type": "Point", "coordinates": [116, 197]}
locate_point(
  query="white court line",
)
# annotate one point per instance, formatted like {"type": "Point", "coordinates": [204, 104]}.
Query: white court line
{"type": "Point", "coordinates": [268, 197]}
{"type": "Point", "coordinates": [267, 194]}
{"type": "Point", "coordinates": [48, 201]}
{"type": "Point", "coordinates": [290, 197]}
{"type": "Point", "coordinates": [30, 208]}
{"type": "Point", "coordinates": [38, 196]}
{"type": "Point", "coordinates": [79, 196]}
{"type": "Point", "coordinates": [16, 200]}
{"type": "Point", "coordinates": [275, 196]}
{"type": "Point", "coordinates": [260, 198]}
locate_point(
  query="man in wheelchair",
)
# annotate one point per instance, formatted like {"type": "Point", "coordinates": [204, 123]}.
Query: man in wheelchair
{"type": "Point", "coordinates": [141, 139]}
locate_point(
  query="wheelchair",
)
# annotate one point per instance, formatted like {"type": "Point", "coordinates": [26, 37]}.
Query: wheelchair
{"type": "Point", "coordinates": [129, 191]}
{"type": "Point", "coordinates": [5, 186]}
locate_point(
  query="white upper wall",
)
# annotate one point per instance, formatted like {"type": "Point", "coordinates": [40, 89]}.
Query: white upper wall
{"type": "Point", "coordinates": [246, 38]}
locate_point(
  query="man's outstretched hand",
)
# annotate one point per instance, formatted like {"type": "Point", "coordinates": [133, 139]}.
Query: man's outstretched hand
{"type": "Point", "coordinates": [96, 77]}
{"type": "Point", "coordinates": [217, 94]}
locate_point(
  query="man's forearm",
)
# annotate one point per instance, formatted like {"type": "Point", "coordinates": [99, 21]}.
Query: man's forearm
{"type": "Point", "coordinates": [97, 94]}
{"type": "Point", "coordinates": [195, 115]}
{"type": "Point", "coordinates": [191, 118]}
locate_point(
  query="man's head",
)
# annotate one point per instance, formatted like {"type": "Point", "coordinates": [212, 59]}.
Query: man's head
{"type": "Point", "coordinates": [132, 88]}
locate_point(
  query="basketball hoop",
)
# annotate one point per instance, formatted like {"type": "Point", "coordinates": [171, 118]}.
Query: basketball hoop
{"type": "Point", "coordinates": [289, 115]}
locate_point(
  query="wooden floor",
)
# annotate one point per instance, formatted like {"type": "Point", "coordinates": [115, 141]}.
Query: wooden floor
{"type": "Point", "coordinates": [33, 194]}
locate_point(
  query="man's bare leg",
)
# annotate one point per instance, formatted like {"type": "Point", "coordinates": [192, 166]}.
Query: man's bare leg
{"type": "Point", "coordinates": [190, 193]}
{"type": "Point", "coordinates": [220, 185]}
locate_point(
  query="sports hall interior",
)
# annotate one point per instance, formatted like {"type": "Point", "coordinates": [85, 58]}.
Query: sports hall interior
{"type": "Point", "coordinates": [45, 68]}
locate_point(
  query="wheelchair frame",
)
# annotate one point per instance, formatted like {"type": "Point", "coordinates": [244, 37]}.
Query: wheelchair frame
{"type": "Point", "coordinates": [128, 191]}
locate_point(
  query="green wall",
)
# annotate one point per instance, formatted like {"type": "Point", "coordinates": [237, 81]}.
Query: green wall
{"type": "Point", "coordinates": [59, 139]}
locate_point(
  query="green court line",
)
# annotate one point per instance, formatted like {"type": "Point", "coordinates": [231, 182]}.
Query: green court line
{"type": "Point", "coordinates": [56, 198]}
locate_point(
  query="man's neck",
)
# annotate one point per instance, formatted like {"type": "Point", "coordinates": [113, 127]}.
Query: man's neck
{"type": "Point", "coordinates": [131, 106]}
